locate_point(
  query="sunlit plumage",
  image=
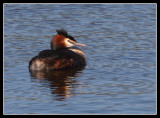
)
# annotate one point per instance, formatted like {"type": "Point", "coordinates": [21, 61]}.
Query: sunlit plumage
{"type": "Point", "coordinates": [62, 54]}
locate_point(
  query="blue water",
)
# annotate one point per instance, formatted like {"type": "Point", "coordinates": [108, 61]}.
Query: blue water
{"type": "Point", "coordinates": [120, 76]}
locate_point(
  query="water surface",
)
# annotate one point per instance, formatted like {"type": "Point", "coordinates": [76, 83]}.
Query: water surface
{"type": "Point", "coordinates": [120, 76]}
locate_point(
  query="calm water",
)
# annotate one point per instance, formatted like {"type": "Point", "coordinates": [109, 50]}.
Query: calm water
{"type": "Point", "coordinates": [120, 76]}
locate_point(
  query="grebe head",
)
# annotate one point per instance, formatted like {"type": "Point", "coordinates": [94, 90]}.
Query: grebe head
{"type": "Point", "coordinates": [63, 40]}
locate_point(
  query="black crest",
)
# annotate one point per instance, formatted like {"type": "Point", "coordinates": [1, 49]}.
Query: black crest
{"type": "Point", "coordinates": [64, 33]}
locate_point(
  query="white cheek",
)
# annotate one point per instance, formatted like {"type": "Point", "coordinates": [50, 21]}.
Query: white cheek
{"type": "Point", "coordinates": [68, 44]}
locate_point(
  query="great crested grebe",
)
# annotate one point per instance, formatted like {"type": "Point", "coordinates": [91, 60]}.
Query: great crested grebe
{"type": "Point", "coordinates": [61, 56]}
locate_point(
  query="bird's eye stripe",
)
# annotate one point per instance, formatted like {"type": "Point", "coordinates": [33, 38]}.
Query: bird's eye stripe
{"type": "Point", "coordinates": [70, 41]}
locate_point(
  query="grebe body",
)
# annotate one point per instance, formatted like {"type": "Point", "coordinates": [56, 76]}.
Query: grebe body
{"type": "Point", "coordinates": [63, 54]}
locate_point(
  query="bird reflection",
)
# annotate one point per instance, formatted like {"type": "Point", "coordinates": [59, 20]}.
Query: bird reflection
{"type": "Point", "coordinates": [61, 81]}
